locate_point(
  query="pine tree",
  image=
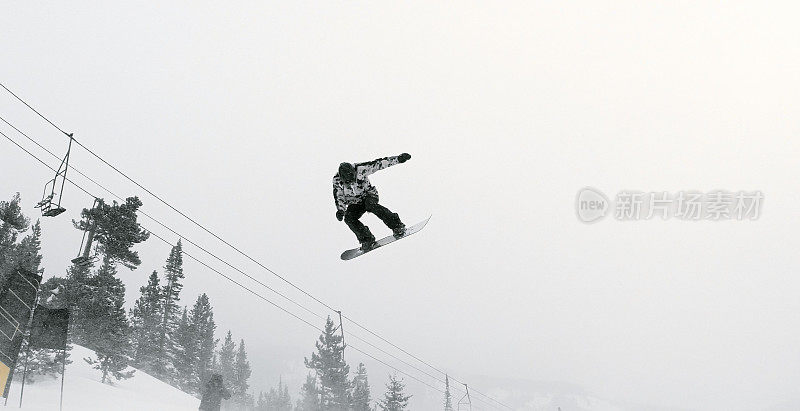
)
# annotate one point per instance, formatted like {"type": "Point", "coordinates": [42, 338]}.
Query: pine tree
{"type": "Point", "coordinates": [13, 221]}
{"type": "Point", "coordinates": [170, 310]}
{"type": "Point", "coordinates": [448, 399]}
{"type": "Point", "coordinates": [77, 296]}
{"type": "Point", "coordinates": [328, 362]}
{"type": "Point", "coordinates": [225, 359]}
{"type": "Point", "coordinates": [361, 395]}
{"type": "Point", "coordinates": [262, 404]}
{"type": "Point", "coordinates": [12, 224]}
{"type": "Point", "coordinates": [28, 252]}
{"type": "Point", "coordinates": [394, 399]}
{"type": "Point", "coordinates": [283, 402]}
{"type": "Point", "coordinates": [116, 230]}
{"type": "Point", "coordinates": [309, 396]}
{"type": "Point", "coordinates": [146, 327]}
{"type": "Point", "coordinates": [284, 399]}
{"type": "Point", "coordinates": [201, 319]}
{"type": "Point", "coordinates": [184, 362]}
{"type": "Point", "coordinates": [109, 334]}
{"type": "Point", "coordinates": [241, 373]}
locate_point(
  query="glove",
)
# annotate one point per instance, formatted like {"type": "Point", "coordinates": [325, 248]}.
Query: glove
{"type": "Point", "coordinates": [339, 215]}
{"type": "Point", "coordinates": [403, 157]}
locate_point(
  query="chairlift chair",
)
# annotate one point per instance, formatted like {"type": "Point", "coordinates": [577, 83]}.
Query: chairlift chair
{"type": "Point", "coordinates": [54, 188]}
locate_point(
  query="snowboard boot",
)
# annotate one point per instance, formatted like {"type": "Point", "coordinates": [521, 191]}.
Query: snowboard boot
{"type": "Point", "coordinates": [367, 241]}
{"type": "Point", "coordinates": [399, 231]}
{"type": "Point", "coordinates": [367, 244]}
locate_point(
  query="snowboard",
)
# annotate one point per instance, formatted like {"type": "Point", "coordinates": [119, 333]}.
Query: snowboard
{"type": "Point", "coordinates": [351, 254]}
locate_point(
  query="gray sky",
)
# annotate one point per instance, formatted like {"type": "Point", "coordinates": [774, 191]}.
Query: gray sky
{"type": "Point", "coordinates": [239, 113]}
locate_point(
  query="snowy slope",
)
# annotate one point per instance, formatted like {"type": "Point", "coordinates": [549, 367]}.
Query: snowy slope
{"type": "Point", "coordinates": [84, 392]}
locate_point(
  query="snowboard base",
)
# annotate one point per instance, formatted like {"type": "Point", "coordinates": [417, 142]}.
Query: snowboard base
{"type": "Point", "coordinates": [355, 252]}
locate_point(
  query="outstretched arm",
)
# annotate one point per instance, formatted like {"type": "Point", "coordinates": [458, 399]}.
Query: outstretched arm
{"type": "Point", "coordinates": [365, 169]}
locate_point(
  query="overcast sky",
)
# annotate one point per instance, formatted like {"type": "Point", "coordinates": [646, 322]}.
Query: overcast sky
{"type": "Point", "coordinates": [240, 112]}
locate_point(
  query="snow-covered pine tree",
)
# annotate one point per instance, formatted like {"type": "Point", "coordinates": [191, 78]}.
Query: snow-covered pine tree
{"type": "Point", "coordinates": [201, 320]}
{"type": "Point", "coordinates": [241, 373]}
{"type": "Point", "coordinates": [448, 398]}
{"type": "Point", "coordinates": [328, 363]}
{"type": "Point", "coordinates": [361, 398]}
{"type": "Point", "coordinates": [109, 334]}
{"type": "Point", "coordinates": [146, 326]}
{"type": "Point", "coordinates": [170, 311]}
{"type": "Point", "coordinates": [394, 399]}
{"type": "Point", "coordinates": [309, 396]}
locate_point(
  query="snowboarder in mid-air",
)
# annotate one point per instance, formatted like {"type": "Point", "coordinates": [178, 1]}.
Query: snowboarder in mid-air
{"type": "Point", "coordinates": [355, 195]}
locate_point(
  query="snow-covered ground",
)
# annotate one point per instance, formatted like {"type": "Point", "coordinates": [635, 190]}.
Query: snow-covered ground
{"type": "Point", "coordinates": [83, 391]}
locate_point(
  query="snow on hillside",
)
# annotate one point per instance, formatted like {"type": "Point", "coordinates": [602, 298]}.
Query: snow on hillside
{"type": "Point", "coordinates": [83, 391]}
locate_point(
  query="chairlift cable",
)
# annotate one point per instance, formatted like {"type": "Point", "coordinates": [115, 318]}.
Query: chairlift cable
{"type": "Point", "coordinates": [35, 111]}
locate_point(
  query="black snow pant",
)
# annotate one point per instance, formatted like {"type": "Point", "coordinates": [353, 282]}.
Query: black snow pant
{"type": "Point", "coordinates": [355, 211]}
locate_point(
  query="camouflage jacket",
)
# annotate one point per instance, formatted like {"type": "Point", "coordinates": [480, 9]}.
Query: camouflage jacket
{"type": "Point", "coordinates": [346, 194]}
